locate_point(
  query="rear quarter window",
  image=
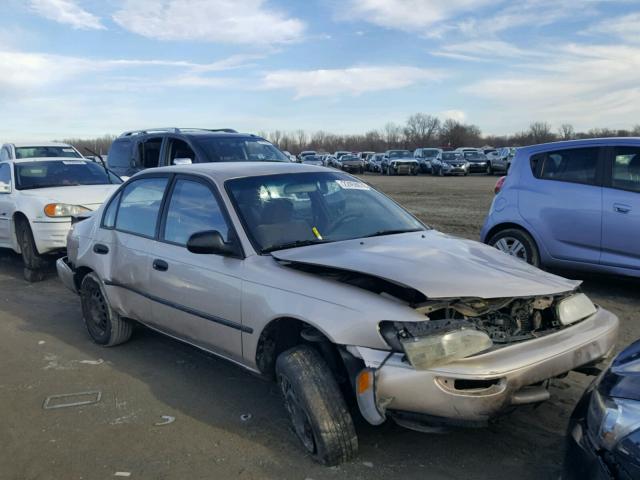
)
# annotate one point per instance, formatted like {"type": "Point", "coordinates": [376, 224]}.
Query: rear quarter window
{"type": "Point", "coordinates": [120, 153]}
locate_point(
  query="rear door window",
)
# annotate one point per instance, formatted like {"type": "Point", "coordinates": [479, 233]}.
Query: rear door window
{"type": "Point", "coordinates": [139, 206]}
{"type": "Point", "coordinates": [626, 168]}
{"type": "Point", "coordinates": [575, 165]}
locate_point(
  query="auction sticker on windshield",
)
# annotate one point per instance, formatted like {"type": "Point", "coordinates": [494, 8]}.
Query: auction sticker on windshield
{"type": "Point", "coordinates": [351, 185]}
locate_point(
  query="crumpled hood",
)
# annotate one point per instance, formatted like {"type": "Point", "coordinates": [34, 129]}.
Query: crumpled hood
{"type": "Point", "coordinates": [435, 264]}
{"type": "Point", "coordinates": [90, 196]}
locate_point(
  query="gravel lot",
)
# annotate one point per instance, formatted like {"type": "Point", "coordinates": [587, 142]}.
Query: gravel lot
{"type": "Point", "coordinates": [44, 351]}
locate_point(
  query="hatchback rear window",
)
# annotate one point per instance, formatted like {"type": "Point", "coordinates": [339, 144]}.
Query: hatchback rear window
{"type": "Point", "coordinates": [576, 165]}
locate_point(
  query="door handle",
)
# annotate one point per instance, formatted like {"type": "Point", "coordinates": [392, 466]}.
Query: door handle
{"type": "Point", "coordinates": [620, 208]}
{"type": "Point", "coordinates": [100, 249]}
{"type": "Point", "coordinates": [160, 265]}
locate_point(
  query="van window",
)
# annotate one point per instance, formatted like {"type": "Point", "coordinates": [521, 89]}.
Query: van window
{"type": "Point", "coordinates": [120, 154]}
{"type": "Point", "coordinates": [180, 149]}
{"type": "Point", "coordinates": [626, 168]}
{"type": "Point", "coordinates": [575, 165]}
{"type": "Point", "coordinates": [149, 152]}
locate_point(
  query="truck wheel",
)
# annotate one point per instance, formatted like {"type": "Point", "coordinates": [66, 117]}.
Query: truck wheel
{"type": "Point", "coordinates": [518, 243]}
{"type": "Point", "coordinates": [34, 263]}
{"type": "Point", "coordinates": [105, 326]}
{"type": "Point", "coordinates": [316, 408]}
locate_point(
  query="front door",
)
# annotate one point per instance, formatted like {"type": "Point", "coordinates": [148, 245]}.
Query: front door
{"type": "Point", "coordinates": [196, 297]}
{"type": "Point", "coordinates": [621, 210]}
{"type": "Point", "coordinates": [6, 205]}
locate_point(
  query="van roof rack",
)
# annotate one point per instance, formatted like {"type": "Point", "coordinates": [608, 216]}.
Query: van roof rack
{"type": "Point", "coordinates": [131, 133]}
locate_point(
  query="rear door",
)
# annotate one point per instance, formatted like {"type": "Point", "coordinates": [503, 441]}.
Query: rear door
{"type": "Point", "coordinates": [196, 297]}
{"type": "Point", "coordinates": [621, 209]}
{"type": "Point", "coordinates": [562, 201]}
{"type": "Point", "coordinates": [124, 242]}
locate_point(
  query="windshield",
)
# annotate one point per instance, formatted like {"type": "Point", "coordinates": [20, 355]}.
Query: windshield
{"type": "Point", "coordinates": [40, 152]}
{"type": "Point", "coordinates": [430, 153]}
{"type": "Point", "coordinates": [61, 173]}
{"type": "Point", "coordinates": [296, 209]}
{"type": "Point", "coordinates": [474, 156]}
{"type": "Point", "coordinates": [312, 158]}
{"type": "Point", "coordinates": [346, 158]}
{"type": "Point", "coordinates": [239, 149]}
{"type": "Point", "coordinates": [399, 154]}
{"type": "Point", "coordinates": [450, 156]}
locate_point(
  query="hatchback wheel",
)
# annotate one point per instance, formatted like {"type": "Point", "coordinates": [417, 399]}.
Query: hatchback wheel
{"type": "Point", "coordinates": [517, 243]}
{"type": "Point", "coordinates": [316, 408]}
{"type": "Point", "coordinates": [104, 325]}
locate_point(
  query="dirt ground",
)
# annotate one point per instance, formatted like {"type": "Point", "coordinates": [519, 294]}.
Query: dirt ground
{"type": "Point", "coordinates": [228, 423]}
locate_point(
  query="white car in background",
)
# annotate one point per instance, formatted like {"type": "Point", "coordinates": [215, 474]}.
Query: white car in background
{"type": "Point", "coordinates": [19, 151]}
{"type": "Point", "coordinates": [38, 197]}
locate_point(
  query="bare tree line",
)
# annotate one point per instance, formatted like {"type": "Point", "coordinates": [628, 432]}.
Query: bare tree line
{"type": "Point", "coordinates": [419, 130]}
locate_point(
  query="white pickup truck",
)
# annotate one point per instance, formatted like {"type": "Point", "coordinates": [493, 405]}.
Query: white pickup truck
{"type": "Point", "coordinates": [39, 195]}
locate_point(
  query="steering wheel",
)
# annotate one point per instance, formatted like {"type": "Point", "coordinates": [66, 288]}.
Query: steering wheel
{"type": "Point", "coordinates": [340, 221]}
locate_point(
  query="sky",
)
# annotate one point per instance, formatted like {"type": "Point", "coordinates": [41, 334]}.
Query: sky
{"type": "Point", "coordinates": [83, 68]}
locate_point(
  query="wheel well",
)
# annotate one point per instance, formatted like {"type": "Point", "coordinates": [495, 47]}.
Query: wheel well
{"type": "Point", "coordinates": [79, 275]}
{"type": "Point", "coordinates": [505, 226]}
{"type": "Point", "coordinates": [284, 333]}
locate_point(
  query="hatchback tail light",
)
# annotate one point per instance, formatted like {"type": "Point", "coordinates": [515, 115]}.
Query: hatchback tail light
{"type": "Point", "coordinates": [499, 185]}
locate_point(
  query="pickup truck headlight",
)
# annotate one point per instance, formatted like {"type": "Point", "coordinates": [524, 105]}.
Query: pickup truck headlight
{"type": "Point", "coordinates": [441, 348]}
{"type": "Point", "coordinates": [63, 210]}
{"type": "Point", "coordinates": [611, 419]}
{"type": "Point", "coordinates": [573, 308]}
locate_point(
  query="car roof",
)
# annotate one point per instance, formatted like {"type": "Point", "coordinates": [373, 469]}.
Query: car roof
{"type": "Point", "coordinates": [579, 143]}
{"type": "Point", "coordinates": [39, 144]}
{"type": "Point", "coordinates": [222, 171]}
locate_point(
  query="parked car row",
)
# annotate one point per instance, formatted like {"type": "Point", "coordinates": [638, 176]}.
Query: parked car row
{"type": "Point", "coordinates": [277, 266]}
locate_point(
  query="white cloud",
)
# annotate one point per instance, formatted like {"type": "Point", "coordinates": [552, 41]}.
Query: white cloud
{"type": "Point", "coordinates": [588, 85]}
{"type": "Point", "coordinates": [457, 115]}
{"type": "Point", "coordinates": [483, 50]}
{"type": "Point", "coordinates": [624, 27]}
{"type": "Point", "coordinates": [28, 72]}
{"type": "Point", "coordinates": [225, 21]}
{"type": "Point", "coordinates": [68, 12]}
{"type": "Point", "coordinates": [410, 15]}
{"type": "Point", "coordinates": [353, 81]}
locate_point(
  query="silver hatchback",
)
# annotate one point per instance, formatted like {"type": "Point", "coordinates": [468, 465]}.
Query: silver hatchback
{"type": "Point", "coordinates": [309, 276]}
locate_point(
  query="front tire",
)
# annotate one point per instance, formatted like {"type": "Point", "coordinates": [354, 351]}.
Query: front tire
{"type": "Point", "coordinates": [34, 263]}
{"type": "Point", "coordinates": [105, 326]}
{"type": "Point", "coordinates": [518, 243]}
{"type": "Point", "coordinates": [316, 407]}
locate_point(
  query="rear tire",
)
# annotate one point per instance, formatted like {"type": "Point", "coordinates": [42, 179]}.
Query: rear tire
{"type": "Point", "coordinates": [105, 326]}
{"type": "Point", "coordinates": [518, 243]}
{"type": "Point", "coordinates": [34, 263]}
{"type": "Point", "coordinates": [316, 407]}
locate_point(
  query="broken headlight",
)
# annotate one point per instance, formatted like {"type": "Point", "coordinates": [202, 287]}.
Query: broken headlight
{"type": "Point", "coordinates": [433, 343]}
{"type": "Point", "coordinates": [611, 419]}
{"type": "Point", "coordinates": [573, 308]}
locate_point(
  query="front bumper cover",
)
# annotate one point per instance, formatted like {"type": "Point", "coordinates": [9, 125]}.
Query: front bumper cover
{"type": "Point", "coordinates": [481, 387]}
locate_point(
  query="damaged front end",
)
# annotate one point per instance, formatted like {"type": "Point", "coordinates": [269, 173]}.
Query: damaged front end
{"type": "Point", "coordinates": [459, 328]}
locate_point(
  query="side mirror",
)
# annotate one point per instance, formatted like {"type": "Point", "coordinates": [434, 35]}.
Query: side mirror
{"type": "Point", "coordinates": [5, 187]}
{"type": "Point", "coordinates": [210, 242]}
{"type": "Point", "coordinates": [182, 161]}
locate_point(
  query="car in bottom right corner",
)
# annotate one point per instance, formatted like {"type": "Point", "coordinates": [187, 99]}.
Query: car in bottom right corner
{"type": "Point", "coordinates": [572, 205]}
{"type": "Point", "coordinates": [603, 440]}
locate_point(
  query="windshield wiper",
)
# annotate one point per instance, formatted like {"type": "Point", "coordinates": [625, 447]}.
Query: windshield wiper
{"type": "Point", "coordinates": [380, 233]}
{"type": "Point", "coordinates": [294, 244]}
